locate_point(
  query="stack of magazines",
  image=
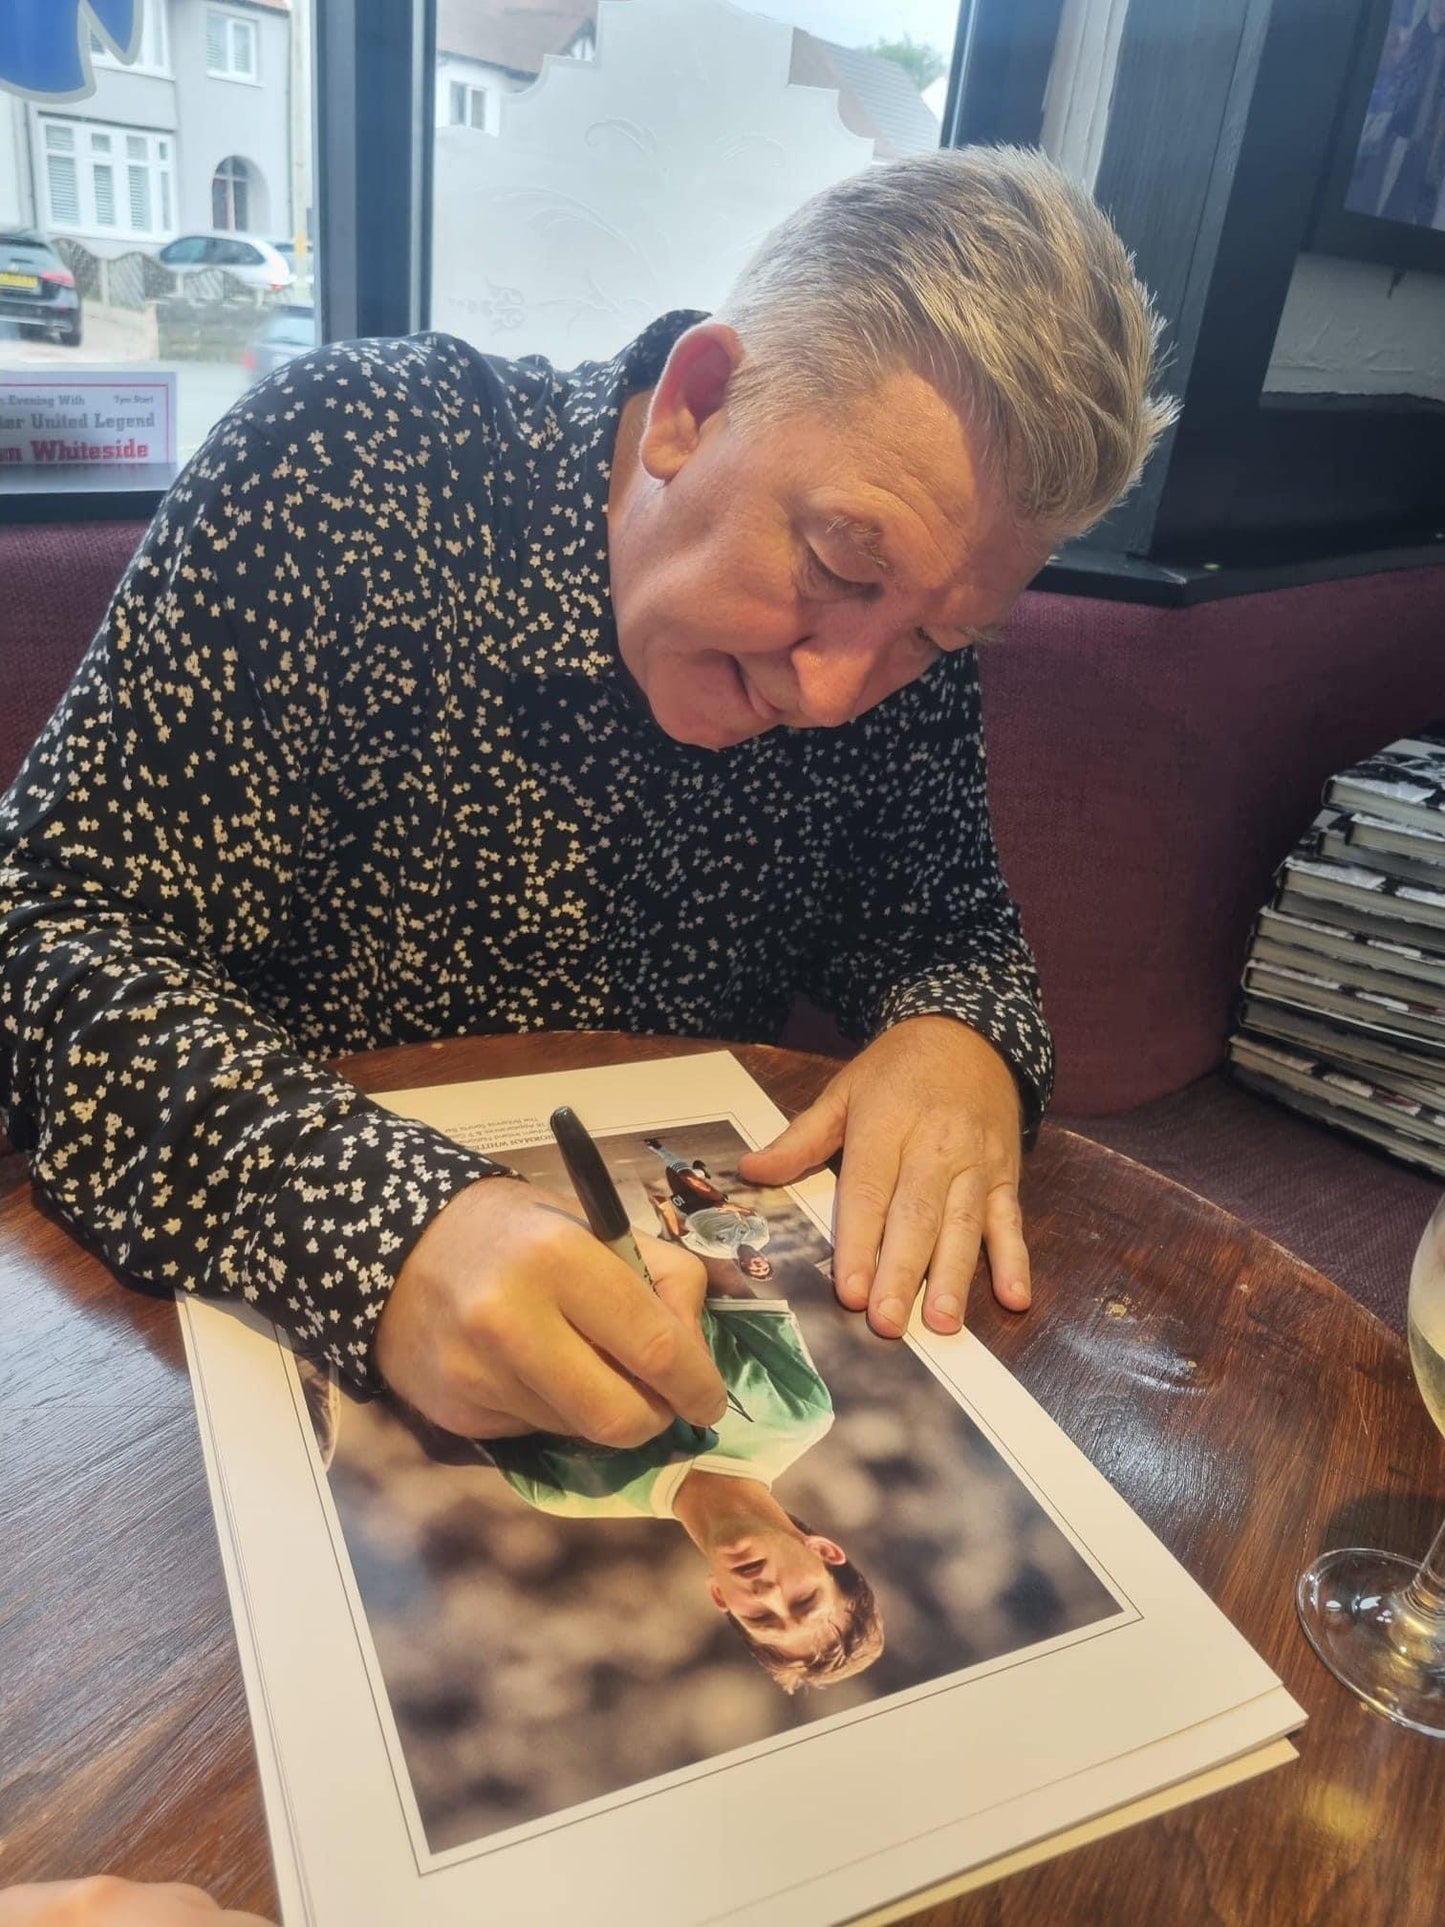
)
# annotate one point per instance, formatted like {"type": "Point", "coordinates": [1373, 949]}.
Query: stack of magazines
{"type": "Point", "coordinates": [1343, 1014]}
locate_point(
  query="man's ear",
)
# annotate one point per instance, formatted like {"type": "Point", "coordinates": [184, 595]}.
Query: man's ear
{"type": "Point", "coordinates": [828, 1550]}
{"type": "Point", "coordinates": [715, 1594]}
{"type": "Point", "coordinates": [690, 391]}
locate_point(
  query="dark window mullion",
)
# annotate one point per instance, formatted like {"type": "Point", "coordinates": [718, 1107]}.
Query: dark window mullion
{"type": "Point", "coordinates": [373, 67]}
{"type": "Point", "coordinates": [1002, 53]}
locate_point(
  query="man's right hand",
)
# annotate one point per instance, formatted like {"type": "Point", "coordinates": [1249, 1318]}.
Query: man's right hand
{"type": "Point", "coordinates": [103, 1901]}
{"type": "Point", "coordinates": [508, 1316]}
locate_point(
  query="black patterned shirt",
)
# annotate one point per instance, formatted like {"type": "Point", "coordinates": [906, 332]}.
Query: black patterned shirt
{"type": "Point", "coordinates": [353, 761]}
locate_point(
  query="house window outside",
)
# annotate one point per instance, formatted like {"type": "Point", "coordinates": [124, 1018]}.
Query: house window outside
{"type": "Point", "coordinates": [153, 54]}
{"type": "Point", "coordinates": [62, 175]}
{"type": "Point", "coordinates": [231, 195]}
{"type": "Point", "coordinates": [469, 106]}
{"type": "Point", "coordinates": [231, 51]}
{"type": "Point", "coordinates": [102, 175]}
{"type": "Point", "coordinates": [104, 178]}
{"type": "Point", "coordinates": [107, 180]}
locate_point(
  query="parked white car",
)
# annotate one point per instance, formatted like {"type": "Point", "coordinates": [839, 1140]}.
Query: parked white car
{"type": "Point", "coordinates": [249, 259]}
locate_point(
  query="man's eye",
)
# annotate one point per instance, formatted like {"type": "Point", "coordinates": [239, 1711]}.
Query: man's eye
{"type": "Point", "coordinates": [817, 575]}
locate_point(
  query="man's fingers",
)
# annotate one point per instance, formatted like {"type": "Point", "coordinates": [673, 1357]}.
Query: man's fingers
{"type": "Point", "coordinates": [681, 1280]}
{"type": "Point", "coordinates": [807, 1144]}
{"type": "Point", "coordinates": [955, 1255]}
{"type": "Point", "coordinates": [104, 1901]}
{"type": "Point", "coordinates": [622, 1317]}
{"type": "Point", "coordinates": [496, 1424]}
{"type": "Point", "coordinates": [592, 1397]}
{"type": "Point", "coordinates": [502, 1408]}
{"type": "Point", "coordinates": [865, 1192]}
{"type": "Point", "coordinates": [1008, 1257]}
{"type": "Point", "coordinates": [916, 1216]}
{"type": "Point", "coordinates": [508, 1312]}
{"type": "Point", "coordinates": [968, 1217]}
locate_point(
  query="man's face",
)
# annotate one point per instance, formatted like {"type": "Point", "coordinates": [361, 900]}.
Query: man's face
{"type": "Point", "coordinates": [795, 575]}
{"type": "Point", "coordinates": [780, 1587]}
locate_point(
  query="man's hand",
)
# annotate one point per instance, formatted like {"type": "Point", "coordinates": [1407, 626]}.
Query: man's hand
{"type": "Point", "coordinates": [106, 1902]}
{"type": "Point", "coordinates": [509, 1316]}
{"type": "Point", "coordinates": [928, 1118]}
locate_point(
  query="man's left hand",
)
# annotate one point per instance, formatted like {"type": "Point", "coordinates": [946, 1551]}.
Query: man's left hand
{"type": "Point", "coordinates": [928, 1118]}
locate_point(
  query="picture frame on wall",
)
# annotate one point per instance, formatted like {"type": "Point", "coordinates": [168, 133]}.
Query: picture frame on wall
{"type": "Point", "coordinates": [1383, 194]}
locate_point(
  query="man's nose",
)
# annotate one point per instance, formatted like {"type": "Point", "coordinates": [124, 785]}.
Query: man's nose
{"type": "Point", "coordinates": [834, 672]}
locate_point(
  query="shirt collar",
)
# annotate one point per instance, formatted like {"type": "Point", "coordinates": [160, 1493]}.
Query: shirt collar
{"type": "Point", "coordinates": [563, 602]}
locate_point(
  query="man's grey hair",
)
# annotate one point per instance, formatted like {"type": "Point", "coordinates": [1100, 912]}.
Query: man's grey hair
{"type": "Point", "coordinates": [991, 273]}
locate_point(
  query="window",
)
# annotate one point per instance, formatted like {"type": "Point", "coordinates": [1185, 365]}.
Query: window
{"type": "Point", "coordinates": [231, 52]}
{"type": "Point", "coordinates": [230, 194]}
{"type": "Point", "coordinates": [102, 176]}
{"type": "Point", "coordinates": [189, 252]}
{"type": "Point", "coordinates": [138, 181]}
{"type": "Point", "coordinates": [234, 254]}
{"type": "Point", "coordinates": [153, 54]}
{"type": "Point", "coordinates": [468, 105]}
{"type": "Point", "coordinates": [126, 183]}
{"type": "Point", "coordinates": [107, 181]}
{"type": "Point", "coordinates": [62, 175]}
{"type": "Point", "coordinates": [644, 171]}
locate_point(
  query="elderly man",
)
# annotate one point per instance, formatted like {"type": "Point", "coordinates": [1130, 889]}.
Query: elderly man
{"type": "Point", "coordinates": [451, 695]}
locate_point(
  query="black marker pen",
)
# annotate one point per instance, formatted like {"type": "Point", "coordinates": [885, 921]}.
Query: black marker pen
{"type": "Point", "coordinates": [606, 1213]}
{"type": "Point", "coordinates": [592, 1181]}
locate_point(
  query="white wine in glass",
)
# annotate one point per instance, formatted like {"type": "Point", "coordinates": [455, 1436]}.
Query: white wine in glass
{"type": "Point", "coordinates": [1375, 1619]}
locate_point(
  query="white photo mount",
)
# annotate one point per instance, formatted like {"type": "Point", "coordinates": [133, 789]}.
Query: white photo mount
{"type": "Point", "coordinates": [867, 1811]}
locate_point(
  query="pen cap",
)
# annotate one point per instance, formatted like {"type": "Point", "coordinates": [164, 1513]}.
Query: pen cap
{"type": "Point", "coordinates": [605, 1210]}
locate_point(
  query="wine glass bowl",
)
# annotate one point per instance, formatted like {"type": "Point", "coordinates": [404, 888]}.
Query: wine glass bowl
{"type": "Point", "coordinates": [1376, 1619]}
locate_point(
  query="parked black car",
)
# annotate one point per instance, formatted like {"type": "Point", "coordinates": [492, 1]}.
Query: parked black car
{"type": "Point", "coordinates": [36, 287]}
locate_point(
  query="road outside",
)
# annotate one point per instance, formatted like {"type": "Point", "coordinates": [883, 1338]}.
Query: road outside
{"type": "Point", "coordinates": [125, 338]}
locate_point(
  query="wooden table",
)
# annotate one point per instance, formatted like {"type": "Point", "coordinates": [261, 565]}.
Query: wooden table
{"type": "Point", "coordinates": [1247, 1409]}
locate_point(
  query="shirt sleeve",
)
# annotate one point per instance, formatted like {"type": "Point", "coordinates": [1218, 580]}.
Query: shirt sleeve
{"type": "Point", "coordinates": [148, 851]}
{"type": "Point", "coordinates": [922, 923]}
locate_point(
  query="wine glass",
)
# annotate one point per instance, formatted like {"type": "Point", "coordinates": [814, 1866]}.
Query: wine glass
{"type": "Point", "coordinates": [1375, 1619]}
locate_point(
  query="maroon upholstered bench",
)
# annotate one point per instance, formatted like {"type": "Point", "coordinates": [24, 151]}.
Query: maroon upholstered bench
{"type": "Point", "coordinates": [55, 583]}
{"type": "Point", "coordinates": [1148, 768]}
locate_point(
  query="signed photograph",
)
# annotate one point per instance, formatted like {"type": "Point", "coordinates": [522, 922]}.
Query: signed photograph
{"type": "Point", "coordinates": [558, 1623]}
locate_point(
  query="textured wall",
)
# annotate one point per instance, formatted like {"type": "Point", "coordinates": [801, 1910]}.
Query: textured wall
{"type": "Point", "coordinates": [1349, 328]}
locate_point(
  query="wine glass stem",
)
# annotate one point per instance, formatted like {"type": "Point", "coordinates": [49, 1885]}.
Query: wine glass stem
{"type": "Point", "coordinates": [1425, 1593]}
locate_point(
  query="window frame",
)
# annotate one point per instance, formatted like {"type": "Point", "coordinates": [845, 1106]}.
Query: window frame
{"type": "Point", "coordinates": [240, 177]}
{"type": "Point", "coordinates": [375, 70]}
{"type": "Point", "coordinates": [473, 95]}
{"type": "Point", "coordinates": [1003, 53]}
{"type": "Point", "coordinates": [86, 158]}
{"type": "Point", "coordinates": [1248, 475]}
{"type": "Point", "coordinates": [231, 22]}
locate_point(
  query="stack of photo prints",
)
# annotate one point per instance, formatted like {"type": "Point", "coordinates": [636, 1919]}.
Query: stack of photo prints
{"type": "Point", "coordinates": [1343, 1014]}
